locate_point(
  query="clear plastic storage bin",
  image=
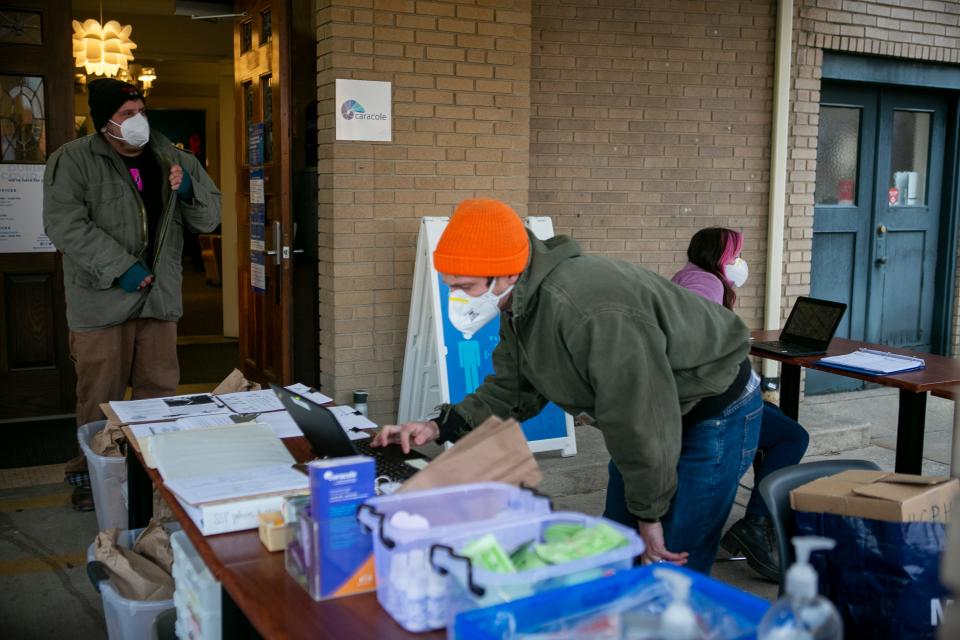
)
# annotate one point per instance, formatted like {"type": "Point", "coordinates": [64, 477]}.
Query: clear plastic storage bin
{"type": "Point", "coordinates": [108, 477]}
{"type": "Point", "coordinates": [126, 619]}
{"type": "Point", "coordinates": [472, 586]}
{"type": "Point", "coordinates": [197, 593]}
{"type": "Point", "coordinates": [401, 555]}
{"type": "Point", "coordinates": [625, 605]}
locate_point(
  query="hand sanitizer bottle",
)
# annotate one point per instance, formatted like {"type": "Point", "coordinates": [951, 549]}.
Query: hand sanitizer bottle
{"type": "Point", "coordinates": [678, 621]}
{"type": "Point", "coordinates": [802, 614]}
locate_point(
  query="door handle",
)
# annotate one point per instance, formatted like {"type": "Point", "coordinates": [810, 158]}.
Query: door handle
{"type": "Point", "coordinates": [882, 260]}
{"type": "Point", "coordinates": [881, 230]}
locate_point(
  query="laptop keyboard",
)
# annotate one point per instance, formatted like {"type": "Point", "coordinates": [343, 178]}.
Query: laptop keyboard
{"type": "Point", "coordinates": [393, 469]}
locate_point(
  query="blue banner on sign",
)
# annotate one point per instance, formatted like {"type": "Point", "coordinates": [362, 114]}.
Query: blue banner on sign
{"type": "Point", "coordinates": [255, 143]}
{"type": "Point", "coordinates": [470, 361]}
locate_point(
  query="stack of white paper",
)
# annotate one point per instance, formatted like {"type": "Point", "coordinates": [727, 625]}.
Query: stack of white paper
{"type": "Point", "coordinates": [224, 476]}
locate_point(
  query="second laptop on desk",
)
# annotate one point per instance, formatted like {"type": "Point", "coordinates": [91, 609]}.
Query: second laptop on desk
{"type": "Point", "coordinates": [808, 330]}
{"type": "Point", "coordinates": [328, 439]}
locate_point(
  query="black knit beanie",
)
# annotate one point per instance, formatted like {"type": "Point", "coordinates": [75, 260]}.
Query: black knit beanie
{"type": "Point", "coordinates": [106, 96]}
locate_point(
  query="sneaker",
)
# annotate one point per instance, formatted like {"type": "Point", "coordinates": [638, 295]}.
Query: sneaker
{"type": "Point", "coordinates": [82, 499]}
{"type": "Point", "coordinates": [753, 537]}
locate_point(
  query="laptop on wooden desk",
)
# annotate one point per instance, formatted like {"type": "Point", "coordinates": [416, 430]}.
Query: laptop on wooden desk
{"type": "Point", "coordinates": [328, 439]}
{"type": "Point", "coordinates": [809, 328]}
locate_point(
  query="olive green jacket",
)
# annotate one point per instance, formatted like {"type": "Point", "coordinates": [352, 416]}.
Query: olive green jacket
{"type": "Point", "coordinates": [616, 342]}
{"type": "Point", "coordinates": [93, 214]}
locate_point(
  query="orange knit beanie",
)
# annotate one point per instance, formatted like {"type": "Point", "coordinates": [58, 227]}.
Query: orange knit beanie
{"type": "Point", "coordinates": [485, 237]}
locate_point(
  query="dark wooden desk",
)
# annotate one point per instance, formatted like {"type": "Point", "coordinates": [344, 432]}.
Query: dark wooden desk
{"type": "Point", "coordinates": [259, 599]}
{"type": "Point", "coordinates": [939, 375]}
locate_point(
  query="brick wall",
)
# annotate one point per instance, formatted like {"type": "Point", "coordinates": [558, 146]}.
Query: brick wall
{"type": "Point", "coordinates": [651, 120]}
{"type": "Point", "coordinates": [460, 72]}
{"type": "Point", "coordinates": [924, 30]}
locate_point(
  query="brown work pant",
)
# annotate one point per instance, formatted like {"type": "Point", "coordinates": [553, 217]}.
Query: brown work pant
{"type": "Point", "coordinates": [141, 353]}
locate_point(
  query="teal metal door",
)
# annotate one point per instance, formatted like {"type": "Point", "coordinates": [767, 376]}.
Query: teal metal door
{"type": "Point", "coordinates": [877, 215]}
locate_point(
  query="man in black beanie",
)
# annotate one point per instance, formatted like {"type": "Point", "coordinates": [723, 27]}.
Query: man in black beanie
{"type": "Point", "coordinates": [114, 203]}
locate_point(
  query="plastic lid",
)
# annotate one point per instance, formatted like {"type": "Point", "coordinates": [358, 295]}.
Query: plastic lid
{"type": "Point", "coordinates": [801, 578]}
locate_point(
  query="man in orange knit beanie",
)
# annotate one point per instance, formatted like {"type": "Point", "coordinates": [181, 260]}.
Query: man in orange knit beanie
{"type": "Point", "coordinates": [660, 371]}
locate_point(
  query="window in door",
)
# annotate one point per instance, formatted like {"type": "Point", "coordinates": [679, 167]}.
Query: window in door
{"type": "Point", "coordinates": [909, 151]}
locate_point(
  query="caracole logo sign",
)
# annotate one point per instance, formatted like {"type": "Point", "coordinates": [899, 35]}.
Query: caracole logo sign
{"type": "Point", "coordinates": [365, 110]}
{"type": "Point", "coordinates": [352, 109]}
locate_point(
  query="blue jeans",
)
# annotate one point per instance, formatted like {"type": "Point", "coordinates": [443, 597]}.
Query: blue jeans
{"type": "Point", "coordinates": [714, 455]}
{"type": "Point", "coordinates": [782, 443]}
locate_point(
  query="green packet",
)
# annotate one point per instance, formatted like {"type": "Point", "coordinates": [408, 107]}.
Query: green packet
{"type": "Point", "coordinates": [525, 557]}
{"type": "Point", "coordinates": [582, 544]}
{"type": "Point", "coordinates": [487, 553]}
{"type": "Point", "coordinates": [561, 531]}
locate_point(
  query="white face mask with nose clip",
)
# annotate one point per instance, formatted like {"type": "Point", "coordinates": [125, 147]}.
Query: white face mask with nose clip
{"type": "Point", "coordinates": [469, 314]}
{"type": "Point", "coordinates": [135, 131]}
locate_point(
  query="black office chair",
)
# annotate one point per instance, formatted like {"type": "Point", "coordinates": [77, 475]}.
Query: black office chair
{"type": "Point", "coordinates": [775, 491]}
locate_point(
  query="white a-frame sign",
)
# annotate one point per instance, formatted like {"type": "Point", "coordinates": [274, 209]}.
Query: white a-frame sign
{"type": "Point", "coordinates": [440, 366]}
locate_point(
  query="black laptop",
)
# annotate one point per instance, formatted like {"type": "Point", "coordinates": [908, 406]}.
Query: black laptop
{"type": "Point", "coordinates": [328, 439]}
{"type": "Point", "coordinates": [809, 328]}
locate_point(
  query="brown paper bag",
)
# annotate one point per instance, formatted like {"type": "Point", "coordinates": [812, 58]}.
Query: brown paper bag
{"type": "Point", "coordinates": [234, 383]}
{"type": "Point", "coordinates": [153, 543]}
{"type": "Point", "coordinates": [134, 576]}
{"type": "Point", "coordinates": [109, 440]}
{"type": "Point", "coordinates": [495, 451]}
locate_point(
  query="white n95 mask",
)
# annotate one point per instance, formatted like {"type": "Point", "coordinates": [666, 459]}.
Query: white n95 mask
{"type": "Point", "coordinates": [469, 314]}
{"type": "Point", "coordinates": [737, 272]}
{"type": "Point", "coordinates": [134, 131]}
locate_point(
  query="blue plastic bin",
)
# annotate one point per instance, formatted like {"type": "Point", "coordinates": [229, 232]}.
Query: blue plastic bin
{"type": "Point", "coordinates": [725, 613]}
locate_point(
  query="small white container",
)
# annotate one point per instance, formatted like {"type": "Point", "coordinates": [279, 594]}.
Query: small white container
{"type": "Point", "coordinates": [108, 479]}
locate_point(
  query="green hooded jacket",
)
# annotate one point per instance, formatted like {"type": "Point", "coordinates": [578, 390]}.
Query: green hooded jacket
{"type": "Point", "coordinates": [619, 343]}
{"type": "Point", "coordinates": [93, 214]}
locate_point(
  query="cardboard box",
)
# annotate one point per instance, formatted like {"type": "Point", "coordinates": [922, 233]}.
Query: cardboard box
{"type": "Point", "coordinates": [879, 495]}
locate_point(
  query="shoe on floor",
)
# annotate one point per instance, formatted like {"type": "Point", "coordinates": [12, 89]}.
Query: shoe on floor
{"type": "Point", "coordinates": [753, 537]}
{"type": "Point", "coordinates": [82, 499]}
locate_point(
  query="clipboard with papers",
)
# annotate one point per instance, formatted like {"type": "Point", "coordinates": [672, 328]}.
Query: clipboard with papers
{"type": "Point", "coordinates": [874, 362]}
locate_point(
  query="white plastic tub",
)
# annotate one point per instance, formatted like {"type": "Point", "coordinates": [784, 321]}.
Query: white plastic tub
{"type": "Point", "coordinates": [108, 477]}
{"type": "Point", "coordinates": [401, 555]}
{"type": "Point", "coordinates": [126, 619]}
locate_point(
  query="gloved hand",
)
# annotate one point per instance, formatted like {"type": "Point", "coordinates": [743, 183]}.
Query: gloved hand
{"type": "Point", "coordinates": [185, 190]}
{"type": "Point", "coordinates": [133, 277]}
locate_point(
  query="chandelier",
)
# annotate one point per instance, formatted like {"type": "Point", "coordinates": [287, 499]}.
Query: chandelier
{"type": "Point", "coordinates": [102, 50]}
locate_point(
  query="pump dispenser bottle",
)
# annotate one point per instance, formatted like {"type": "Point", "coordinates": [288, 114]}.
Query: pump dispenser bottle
{"type": "Point", "coordinates": [801, 613]}
{"type": "Point", "coordinates": [678, 621]}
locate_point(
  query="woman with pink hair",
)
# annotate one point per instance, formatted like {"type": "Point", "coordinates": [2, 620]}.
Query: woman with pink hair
{"type": "Point", "coordinates": [714, 269]}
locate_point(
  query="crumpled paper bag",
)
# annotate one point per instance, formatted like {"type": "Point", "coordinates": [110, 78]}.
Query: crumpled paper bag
{"type": "Point", "coordinates": [132, 575]}
{"type": "Point", "coordinates": [108, 441]}
{"type": "Point", "coordinates": [154, 544]}
{"type": "Point", "coordinates": [494, 451]}
{"type": "Point", "coordinates": [234, 383]}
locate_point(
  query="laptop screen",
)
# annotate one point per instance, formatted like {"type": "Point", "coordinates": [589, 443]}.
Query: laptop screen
{"type": "Point", "coordinates": [319, 425]}
{"type": "Point", "coordinates": [813, 321]}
